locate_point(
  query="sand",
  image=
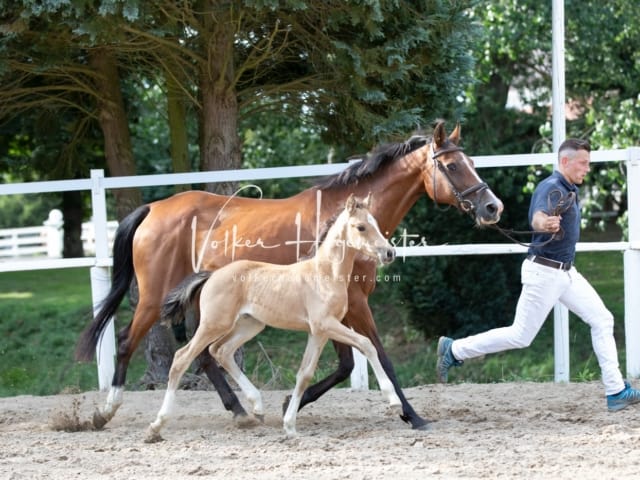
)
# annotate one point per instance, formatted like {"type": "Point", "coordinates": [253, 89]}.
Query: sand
{"type": "Point", "coordinates": [507, 430]}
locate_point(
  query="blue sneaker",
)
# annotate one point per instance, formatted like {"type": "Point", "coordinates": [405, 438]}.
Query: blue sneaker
{"type": "Point", "coordinates": [623, 399]}
{"type": "Point", "coordinates": [446, 360]}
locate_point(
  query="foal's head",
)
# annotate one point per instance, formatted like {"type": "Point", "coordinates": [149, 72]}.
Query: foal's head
{"type": "Point", "coordinates": [362, 233]}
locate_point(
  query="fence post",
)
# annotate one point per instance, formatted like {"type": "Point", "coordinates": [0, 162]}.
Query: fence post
{"type": "Point", "coordinates": [55, 235]}
{"type": "Point", "coordinates": [561, 343]}
{"type": "Point", "coordinates": [101, 280]}
{"type": "Point", "coordinates": [106, 349]}
{"type": "Point", "coordinates": [632, 266]}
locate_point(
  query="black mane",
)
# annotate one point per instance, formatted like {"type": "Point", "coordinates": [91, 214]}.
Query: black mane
{"type": "Point", "coordinates": [372, 162]}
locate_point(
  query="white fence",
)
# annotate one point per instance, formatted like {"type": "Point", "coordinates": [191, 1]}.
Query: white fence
{"type": "Point", "coordinates": [100, 263]}
{"type": "Point", "coordinates": [47, 240]}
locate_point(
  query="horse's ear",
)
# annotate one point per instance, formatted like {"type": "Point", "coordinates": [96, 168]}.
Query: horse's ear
{"type": "Point", "coordinates": [455, 135]}
{"type": "Point", "coordinates": [439, 135]}
{"type": "Point", "coordinates": [367, 202]}
{"type": "Point", "coordinates": [351, 204]}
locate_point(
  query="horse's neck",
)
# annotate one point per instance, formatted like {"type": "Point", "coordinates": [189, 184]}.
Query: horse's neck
{"type": "Point", "coordinates": [396, 188]}
{"type": "Point", "coordinates": [334, 257]}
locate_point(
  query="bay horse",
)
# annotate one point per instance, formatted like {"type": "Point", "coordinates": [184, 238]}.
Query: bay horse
{"type": "Point", "coordinates": [237, 301]}
{"type": "Point", "coordinates": [162, 242]}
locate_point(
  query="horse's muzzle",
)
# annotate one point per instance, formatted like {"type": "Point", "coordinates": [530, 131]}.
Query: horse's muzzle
{"type": "Point", "coordinates": [387, 255]}
{"type": "Point", "coordinates": [489, 209]}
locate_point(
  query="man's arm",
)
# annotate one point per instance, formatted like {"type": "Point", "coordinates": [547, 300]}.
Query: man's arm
{"type": "Point", "coordinates": [541, 222]}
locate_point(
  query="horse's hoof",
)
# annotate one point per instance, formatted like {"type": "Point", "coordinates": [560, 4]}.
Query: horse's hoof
{"type": "Point", "coordinates": [259, 417]}
{"type": "Point", "coordinates": [424, 425]}
{"type": "Point", "coordinates": [153, 436]}
{"type": "Point", "coordinates": [417, 423]}
{"type": "Point", "coordinates": [99, 420]}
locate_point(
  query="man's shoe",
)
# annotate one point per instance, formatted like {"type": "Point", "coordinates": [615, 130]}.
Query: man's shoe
{"type": "Point", "coordinates": [621, 400]}
{"type": "Point", "coordinates": [446, 360]}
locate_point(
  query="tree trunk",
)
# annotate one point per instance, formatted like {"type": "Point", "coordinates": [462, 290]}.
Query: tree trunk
{"type": "Point", "coordinates": [72, 229]}
{"type": "Point", "coordinates": [219, 150]}
{"type": "Point", "coordinates": [219, 141]}
{"type": "Point", "coordinates": [159, 346]}
{"type": "Point", "coordinates": [115, 128]}
{"type": "Point", "coordinates": [177, 116]}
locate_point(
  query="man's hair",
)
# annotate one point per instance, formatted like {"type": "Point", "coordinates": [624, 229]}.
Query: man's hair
{"type": "Point", "coordinates": [573, 145]}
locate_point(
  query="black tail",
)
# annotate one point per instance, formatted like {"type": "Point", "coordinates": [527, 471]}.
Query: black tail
{"type": "Point", "coordinates": [120, 281]}
{"type": "Point", "coordinates": [180, 300]}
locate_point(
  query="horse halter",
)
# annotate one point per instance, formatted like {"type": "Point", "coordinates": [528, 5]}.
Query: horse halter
{"type": "Point", "coordinates": [463, 203]}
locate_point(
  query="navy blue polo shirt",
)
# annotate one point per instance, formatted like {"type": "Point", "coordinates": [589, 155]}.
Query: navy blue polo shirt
{"type": "Point", "coordinates": [545, 198]}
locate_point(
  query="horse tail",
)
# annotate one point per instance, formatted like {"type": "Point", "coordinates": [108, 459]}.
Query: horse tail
{"type": "Point", "coordinates": [182, 298]}
{"type": "Point", "coordinates": [121, 278]}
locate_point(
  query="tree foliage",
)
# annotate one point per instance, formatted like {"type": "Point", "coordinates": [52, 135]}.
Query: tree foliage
{"type": "Point", "coordinates": [361, 70]}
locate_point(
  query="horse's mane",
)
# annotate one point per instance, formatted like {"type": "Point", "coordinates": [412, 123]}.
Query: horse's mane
{"type": "Point", "coordinates": [372, 162]}
{"type": "Point", "coordinates": [324, 230]}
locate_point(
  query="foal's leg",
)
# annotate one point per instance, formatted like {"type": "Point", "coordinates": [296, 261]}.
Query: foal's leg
{"type": "Point", "coordinates": [181, 361]}
{"type": "Point", "coordinates": [315, 391]}
{"type": "Point", "coordinates": [357, 314]}
{"type": "Point", "coordinates": [216, 376]}
{"type": "Point", "coordinates": [360, 318]}
{"type": "Point", "coordinates": [340, 333]}
{"type": "Point", "coordinates": [223, 351]}
{"type": "Point", "coordinates": [315, 344]}
{"type": "Point", "coordinates": [206, 363]}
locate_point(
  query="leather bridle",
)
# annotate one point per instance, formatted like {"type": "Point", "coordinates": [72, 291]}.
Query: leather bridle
{"type": "Point", "coordinates": [464, 203]}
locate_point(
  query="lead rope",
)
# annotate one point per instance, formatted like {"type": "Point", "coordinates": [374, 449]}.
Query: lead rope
{"type": "Point", "coordinates": [564, 203]}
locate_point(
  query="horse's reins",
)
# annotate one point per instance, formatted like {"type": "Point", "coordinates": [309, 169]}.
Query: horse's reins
{"type": "Point", "coordinates": [564, 203]}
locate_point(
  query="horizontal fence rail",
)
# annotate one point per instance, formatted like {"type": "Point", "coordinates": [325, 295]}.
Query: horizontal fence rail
{"type": "Point", "coordinates": [101, 260]}
{"type": "Point", "coordinates": [35, 243]}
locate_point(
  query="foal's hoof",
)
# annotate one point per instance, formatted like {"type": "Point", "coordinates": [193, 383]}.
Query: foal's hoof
{"type": "Point", "coordinates": [98, 420]}
{"type": "Point", "coordinates": [153, 436]}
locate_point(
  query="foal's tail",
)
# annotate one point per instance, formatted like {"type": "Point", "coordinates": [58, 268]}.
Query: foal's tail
{"type": "Point", "coordinates": [120, 281]}
{"type": "Point", "coordinates": [182, 299]}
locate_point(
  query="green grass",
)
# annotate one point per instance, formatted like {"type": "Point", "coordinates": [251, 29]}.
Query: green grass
{"type": "Point", "coordinates": [41, 316]}
{"type": "Point", "coordinates": [43, 312]}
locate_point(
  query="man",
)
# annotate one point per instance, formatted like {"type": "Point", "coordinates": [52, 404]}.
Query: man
{"type": "Point", "coordinates": [548, 276]}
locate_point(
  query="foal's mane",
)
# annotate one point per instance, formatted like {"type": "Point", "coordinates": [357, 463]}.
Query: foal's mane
{"type": "Point", "coordinates": [372, 162]}
{"type": "Point", "coordinates": [324, 229]}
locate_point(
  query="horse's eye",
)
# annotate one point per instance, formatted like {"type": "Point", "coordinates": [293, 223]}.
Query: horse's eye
{"type": "Point", "coordinates": [361, 228]}
{"type": "Point", "coordinates": [452, 167]}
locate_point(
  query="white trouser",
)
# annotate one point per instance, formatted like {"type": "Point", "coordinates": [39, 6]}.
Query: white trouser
{"type": "Point", "coordinates": [542, 288]}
